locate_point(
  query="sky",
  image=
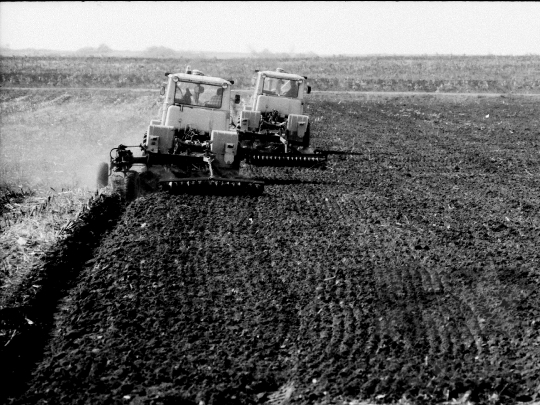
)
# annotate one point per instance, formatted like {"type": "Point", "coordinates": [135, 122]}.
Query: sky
{"type": "Point", "coordinates": [323, 28]}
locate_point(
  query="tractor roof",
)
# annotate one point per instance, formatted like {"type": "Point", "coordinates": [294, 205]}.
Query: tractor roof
{"type": "Point", "coordinates": [279, 75]}
{"type": "Point", "coordinates": [185, 77]}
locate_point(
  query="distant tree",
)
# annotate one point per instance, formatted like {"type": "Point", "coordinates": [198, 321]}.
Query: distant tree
{"type": "Point", "coordinates": [85, 51]}
{"type": "Point", "coordinates": [100, 50]}
{"type": "Point", "coordinates": [160, 52]}
{"type": "Point", "coordinates": [103, 49]}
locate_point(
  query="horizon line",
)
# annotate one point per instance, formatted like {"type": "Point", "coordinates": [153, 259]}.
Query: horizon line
{"type": "Point", "coordinates": [104, 52]}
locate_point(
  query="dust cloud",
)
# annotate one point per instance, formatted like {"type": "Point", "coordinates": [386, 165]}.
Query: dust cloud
{"type": "Point", "coordinates": [59, 141]}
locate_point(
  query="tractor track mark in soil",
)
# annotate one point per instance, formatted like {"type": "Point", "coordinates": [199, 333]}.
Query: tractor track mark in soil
{"type": "Point", "coordinates": [433, 337]}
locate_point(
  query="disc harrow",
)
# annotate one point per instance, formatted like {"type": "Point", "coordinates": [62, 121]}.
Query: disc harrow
{"type": "Point", "coordinates": [215, 185]}
{"type": "Point", "coordinates": [306, 160]}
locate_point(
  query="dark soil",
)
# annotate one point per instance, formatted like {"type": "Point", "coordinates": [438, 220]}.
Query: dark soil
{"type": "Point", "coordinates": [411, 271]}
{"type": "Point", "coordinates": [28, 316]}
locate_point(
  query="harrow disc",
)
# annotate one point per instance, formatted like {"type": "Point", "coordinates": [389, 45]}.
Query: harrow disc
{"type": "Point", "coordinates": [311, 160]}
{"type": "Point", "coordinates": [214, 186]}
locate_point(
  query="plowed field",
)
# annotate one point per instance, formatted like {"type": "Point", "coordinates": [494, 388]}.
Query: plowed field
{"type": "Point", "coordinates": [409, 272]}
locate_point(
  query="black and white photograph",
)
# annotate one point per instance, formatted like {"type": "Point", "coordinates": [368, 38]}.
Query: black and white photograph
{"type": "Point", "coordinates": [269, 203]}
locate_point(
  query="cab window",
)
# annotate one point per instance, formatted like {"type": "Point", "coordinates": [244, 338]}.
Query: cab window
{"type": "Point", "coordinates": [199, 94]}
{"type": "Point", "coordinates": [280, 87]}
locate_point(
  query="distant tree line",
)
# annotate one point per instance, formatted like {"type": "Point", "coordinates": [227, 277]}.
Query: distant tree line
{"type": "Point", "coordinates": [472, 74]}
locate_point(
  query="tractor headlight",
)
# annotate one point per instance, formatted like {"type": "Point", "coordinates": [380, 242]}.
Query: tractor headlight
{"type": "Point", "coordinates": [175, 79]}
{"type": "Point", "coordinates": [224, 85]}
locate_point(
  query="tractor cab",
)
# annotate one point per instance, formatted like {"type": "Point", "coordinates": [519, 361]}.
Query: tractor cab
{"type": "Point", "coordinates": [198, 102]}
{"type": "Point", "coordinates": [279, 91]}
{"type": "Point", "coordinates": [195, 116]}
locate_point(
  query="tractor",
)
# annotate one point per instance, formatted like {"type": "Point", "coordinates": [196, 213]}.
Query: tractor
{"type": "Point", "coordinates": [273, 129]}
{"type": "Point", "coordinates": [191, 148]}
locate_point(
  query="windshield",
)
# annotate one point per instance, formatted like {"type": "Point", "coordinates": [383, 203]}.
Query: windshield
{"type": "Point", "coordinates": [280, 87]}
{"type": "Point", "coordinates": [205, 95]}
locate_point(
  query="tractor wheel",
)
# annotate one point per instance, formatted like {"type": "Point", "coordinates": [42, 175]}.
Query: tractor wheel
{"type": "Point", "coordinates": [132, 185]}
{"type": "Point", "coordinates": [307, 137]}
{"type": "Point", "coordinates": [103, 175]}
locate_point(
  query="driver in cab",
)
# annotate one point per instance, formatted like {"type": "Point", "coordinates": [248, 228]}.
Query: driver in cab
{"type": "Point", "coordinates": [289, 89]}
